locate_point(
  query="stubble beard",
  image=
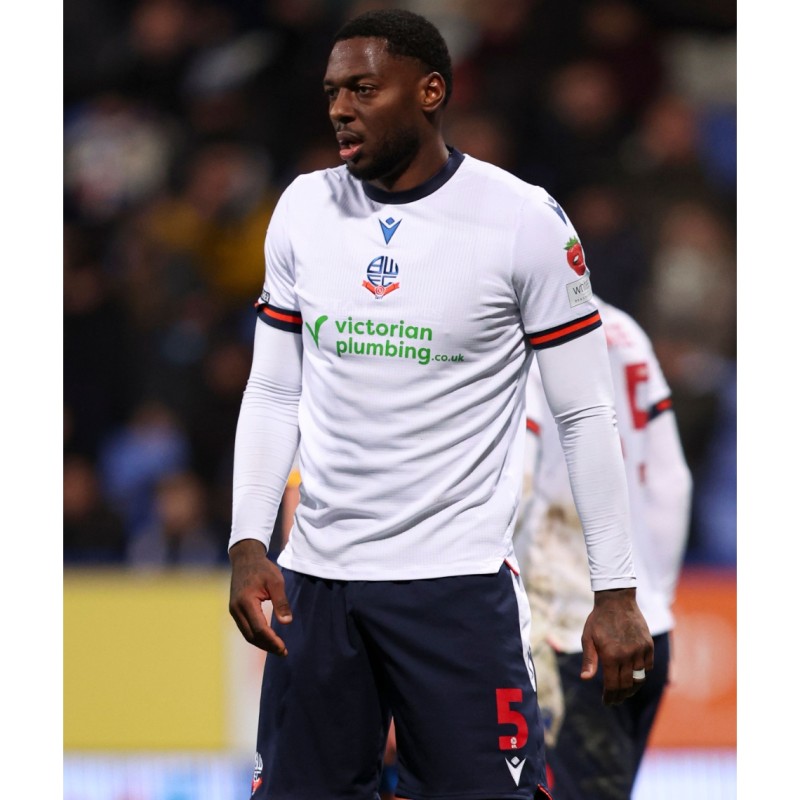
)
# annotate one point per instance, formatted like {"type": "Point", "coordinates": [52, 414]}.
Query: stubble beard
{"type": "Point", "coordinates": [392, 156]}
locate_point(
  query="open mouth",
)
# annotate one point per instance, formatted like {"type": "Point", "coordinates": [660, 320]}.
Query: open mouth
{"type": "Point", "coordinates": [346, 152]}
{"type": "Point", "coordinates": [349, 145]}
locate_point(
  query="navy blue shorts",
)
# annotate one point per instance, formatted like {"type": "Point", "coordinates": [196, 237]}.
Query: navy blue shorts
{"type": "Point", "coordinates": [448, 658]}
{"type": "Point", "coordinates": [600, 748]}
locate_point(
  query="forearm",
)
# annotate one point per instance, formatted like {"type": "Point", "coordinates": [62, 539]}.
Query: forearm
{"type": "Point", "coordinates": [267, 434]}
{"type": "Point", "coordinates": [577, 383]}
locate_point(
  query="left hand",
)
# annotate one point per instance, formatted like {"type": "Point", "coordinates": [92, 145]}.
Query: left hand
{"type": "Point", "coordinates": [616, 636]}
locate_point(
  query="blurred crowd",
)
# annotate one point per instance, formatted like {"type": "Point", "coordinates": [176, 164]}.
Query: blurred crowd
{"type": "Point", "coordinates": [185, 119]}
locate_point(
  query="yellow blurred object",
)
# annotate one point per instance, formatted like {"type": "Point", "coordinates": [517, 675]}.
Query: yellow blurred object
{"type": "Point", "coordinates": [144, 660]}
{"type": "Point", "coordinates": [229, 252]}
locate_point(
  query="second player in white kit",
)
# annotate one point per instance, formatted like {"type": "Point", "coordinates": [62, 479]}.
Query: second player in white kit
{"type": "Point", "coordinates": [594, 752]}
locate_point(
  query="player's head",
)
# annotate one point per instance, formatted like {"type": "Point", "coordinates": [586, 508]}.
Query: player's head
{"type": "Point", "coordinates": [389, 76]}
{"type": "Point", "coordinates": [407, 35]}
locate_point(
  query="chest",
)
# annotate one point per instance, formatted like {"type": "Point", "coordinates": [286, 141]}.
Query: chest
{"type": "Point", "coordinates": [407, 272]}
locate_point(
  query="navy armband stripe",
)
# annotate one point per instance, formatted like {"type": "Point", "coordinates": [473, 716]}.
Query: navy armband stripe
{"type": "Point", "coordinates": [565, 333]}
{"type": "Point", "coordinates": [281, 318]}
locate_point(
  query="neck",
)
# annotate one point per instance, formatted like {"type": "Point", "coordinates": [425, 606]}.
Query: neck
{"type": "Point", "coordinates": [422, 166]}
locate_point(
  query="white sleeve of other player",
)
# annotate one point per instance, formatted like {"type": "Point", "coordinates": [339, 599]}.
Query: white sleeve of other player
{"type": "Point", "coordinates": [669, 492]}
{"type": "Point", "coordinates": [576, 376]}
{"type": "Point", "coordinates": [267, 433]}
{"type": "Point", "coordinates": [535, 407]}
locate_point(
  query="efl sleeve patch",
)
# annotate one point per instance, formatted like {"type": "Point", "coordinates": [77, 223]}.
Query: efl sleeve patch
{"type": "Point", "coordinates": [566, 332]}
{"type": "Point", "coordinates": [281, 318]}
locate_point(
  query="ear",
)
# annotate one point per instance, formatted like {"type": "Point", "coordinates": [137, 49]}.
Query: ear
{"type": "Point", "coordinates": [433, 92]}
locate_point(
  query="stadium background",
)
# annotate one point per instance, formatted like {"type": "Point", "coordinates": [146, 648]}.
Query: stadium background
{"type": "Point", "coordinates": [183, 120]}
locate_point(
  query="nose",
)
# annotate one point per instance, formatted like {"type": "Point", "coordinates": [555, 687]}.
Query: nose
{"type": "Point", "coordinates": [341, 107]}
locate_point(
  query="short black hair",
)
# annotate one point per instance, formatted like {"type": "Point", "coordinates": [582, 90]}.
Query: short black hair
{"type": "Point", "coordinates": [406, 34]}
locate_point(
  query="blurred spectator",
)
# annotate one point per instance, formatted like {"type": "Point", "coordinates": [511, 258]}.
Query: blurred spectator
{"type": "Point", "coordinates": [96, 352]}
{"type": "Point", "coordinates": [211, 421]}
{"type": "Point", "coordinates": [618, 33]}
{"type": "Point", "coordinates": [136, 456]}
{"type": "Point", "coordinates": [663, 164]}
{"type": "Point", "coordinates": [218, 219]}
{"type": "Point", "coordinates": [89, 27]}
{"type": "Point", "coordinates": [510, 39]}
{"type": "Point", "coordinates": [693, 286]}
{"type": "Point", "coordinates": [702, 69]}
{"type": "Point", "coordinates": [93, 532]}
{"type": "Point", "coordinates": [180, 534]}
{"type": "Point", "coordinates": [287, 104]}
{"type": "Point", "coordinates": [147, 60]}
{"type": "Point", "coordinates": [116, 154]}
{"type": "Point", "coordinates": [484, 136]}
{"type": "Point", "coordinates": [690, 308]}
{"type": "Point", "coordinates": [581, 125]}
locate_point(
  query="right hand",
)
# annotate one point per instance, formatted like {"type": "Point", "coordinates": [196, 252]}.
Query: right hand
{"type": "Point", "coordinates": [254, 579]}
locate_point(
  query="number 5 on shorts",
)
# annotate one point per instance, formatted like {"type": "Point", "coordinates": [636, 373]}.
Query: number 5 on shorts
{"type": "Point", "coordinates": [507, 716]}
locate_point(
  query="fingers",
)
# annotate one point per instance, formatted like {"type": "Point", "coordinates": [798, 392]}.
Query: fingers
{"type": "Point", "coordinates": [618, 666]}
{"type": "Point", "coordinates": [254, 580]}
{"type": "Point", "coordinates": [618, 684]}
{"type": "Point", "coordinates": [249, 618]}
{"type": "Point", "coordinates": [280, 605]}
{"type": "Point", "coordinates": [589, 663]}
{"type": "Point", "coordinates": [622, 680]}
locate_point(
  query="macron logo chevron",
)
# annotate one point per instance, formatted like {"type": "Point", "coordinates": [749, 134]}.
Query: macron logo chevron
{"type": "Point", "coordinates": [556, 207]}
{"type": "Point", "coordinates": [389, 227]}
{"type": "Point", "coordinates": [515, 766]}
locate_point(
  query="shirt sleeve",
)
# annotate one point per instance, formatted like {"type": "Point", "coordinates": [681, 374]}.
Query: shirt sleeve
{"type": "Point", "coordinates": [535, 408]}
{"type": "Point", "coordinates": [668, 487]}
{"type": "Point", "coordinates": [551, 277]}
{"type": "Point", "coordinates": [576, 376]}
{"type": "Point", "coordinates": [267, 433]}
{"type": "Point", "coordinates": [278, 305]}
{"type": "Point", "coordinates": [659, 397]}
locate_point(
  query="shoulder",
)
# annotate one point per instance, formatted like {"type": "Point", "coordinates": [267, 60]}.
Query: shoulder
{"type": "Point", "coordinates": [504, 183]}
{"type": "Point", "coordinates": [510, 187]}
{"type": "Point", "coordinates": [310, 194]}
{"type": "Point", "coordinates": [321, 180]}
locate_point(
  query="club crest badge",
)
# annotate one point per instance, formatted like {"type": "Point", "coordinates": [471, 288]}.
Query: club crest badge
{"type": "Point", "coordinates": [382, 275]}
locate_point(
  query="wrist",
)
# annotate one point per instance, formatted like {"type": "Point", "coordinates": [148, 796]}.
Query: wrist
{"type": "Point", "coordinates": [604, 596]}
{"type": "Point", "coordinates": [247, 550]}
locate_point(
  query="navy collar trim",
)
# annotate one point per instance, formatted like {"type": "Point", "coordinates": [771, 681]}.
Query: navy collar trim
{"type": "Point", "coordinates": [418, 192]}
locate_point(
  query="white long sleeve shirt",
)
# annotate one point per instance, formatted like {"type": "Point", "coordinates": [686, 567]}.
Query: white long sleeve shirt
{"type": "Point", "coordinates": [395, 335]}
{"type": "Point", "coordinates": [549, 539]}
